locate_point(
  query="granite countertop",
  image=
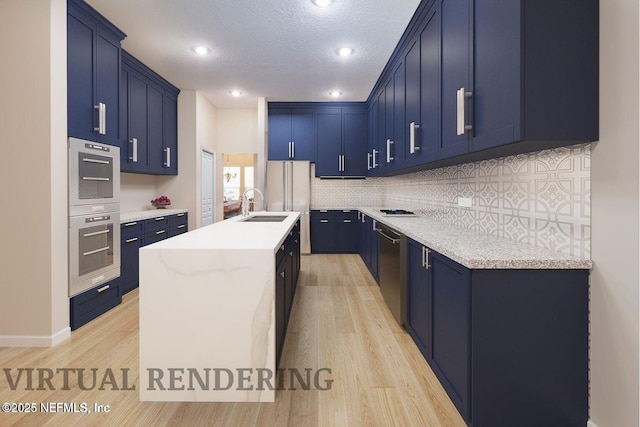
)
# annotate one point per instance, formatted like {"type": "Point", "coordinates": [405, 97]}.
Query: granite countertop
{"type": "Point", "coordinates": [152, 213]}
{"type": "Point", "coordinates": [235, 234]}
{"type": "Point", "coordinates": [475, 249]}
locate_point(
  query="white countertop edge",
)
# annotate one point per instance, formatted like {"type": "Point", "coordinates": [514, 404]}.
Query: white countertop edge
{"type": "Point", "coordinates": [148, 214]}
{"type": "Point", "coordinates": [496, 253]}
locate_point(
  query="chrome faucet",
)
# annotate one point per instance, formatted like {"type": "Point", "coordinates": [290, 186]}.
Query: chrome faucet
{"type": "Point", "coordinates": [245, 200]}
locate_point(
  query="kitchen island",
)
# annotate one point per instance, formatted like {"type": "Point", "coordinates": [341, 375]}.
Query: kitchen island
{"type": "Point", "coordinates": [208, 309]}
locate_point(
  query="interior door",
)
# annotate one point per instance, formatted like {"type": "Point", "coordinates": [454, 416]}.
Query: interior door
{"type": "Point", "coordinates": [208, 187]}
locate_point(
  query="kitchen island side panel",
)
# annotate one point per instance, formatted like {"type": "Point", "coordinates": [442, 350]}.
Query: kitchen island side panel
{"type": "Point", "coordinates": [207, 312]}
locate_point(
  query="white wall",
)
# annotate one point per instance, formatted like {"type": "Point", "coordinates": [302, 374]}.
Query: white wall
{"type": "Point", "coordinates": [237, 131]}
{"type": "Point", "coordinates": [615, 249]}
{"type": "Point", "coordinates": [34, 308]}
{"type": "Point", "coordinates": [137, 191]}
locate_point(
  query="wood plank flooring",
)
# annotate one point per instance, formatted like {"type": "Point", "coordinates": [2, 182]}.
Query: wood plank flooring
{"type": "Point", "coordinates": [339, 321]}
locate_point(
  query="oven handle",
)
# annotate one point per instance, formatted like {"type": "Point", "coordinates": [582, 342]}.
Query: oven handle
{"type": "Point", "coordinates": [94, 178]}
{"type": "Point", "coordinates": [96, 251]}
{"type": "Point", "coordinates": [389, 238]}
{"type": "Point", "coordinates": [102, 162]}
{"type": "Point", "coordinates": [95, 233]}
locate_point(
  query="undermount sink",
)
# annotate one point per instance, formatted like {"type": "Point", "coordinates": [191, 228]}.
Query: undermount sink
{"type": "Point", "coordinates": [265, 218]}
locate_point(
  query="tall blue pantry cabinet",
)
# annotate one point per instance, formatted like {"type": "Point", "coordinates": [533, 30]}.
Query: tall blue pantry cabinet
{"type": "Point", "coordinates": [93, 75]}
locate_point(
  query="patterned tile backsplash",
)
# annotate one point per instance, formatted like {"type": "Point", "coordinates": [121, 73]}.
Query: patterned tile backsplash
{"type": "Point", "coordinates": [540, 198]}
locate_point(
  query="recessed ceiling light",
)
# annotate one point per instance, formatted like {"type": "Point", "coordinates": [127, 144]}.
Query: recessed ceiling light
{"type": "Point", "coordinates": [335, 93]}
{"type": "Point", "coordinates": [201, 50]}
{"type": "Point", "coordinates": [235, 93]}
{"type": "Point", "coordinates": [322, 3]}
{"type": "Point", "coordinates": [345, 51]}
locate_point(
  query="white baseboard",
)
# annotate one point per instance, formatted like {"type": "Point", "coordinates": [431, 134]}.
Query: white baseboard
{"type": "Point", "coordinates": [35, 340]}
{"type": "Point", "coordinates": [591, 424]}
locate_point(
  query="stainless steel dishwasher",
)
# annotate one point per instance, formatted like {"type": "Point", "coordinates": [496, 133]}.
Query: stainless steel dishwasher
{"type": "Point", "coordinates": [392, 265]}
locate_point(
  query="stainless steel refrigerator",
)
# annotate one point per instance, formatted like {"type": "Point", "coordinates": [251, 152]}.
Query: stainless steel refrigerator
{"type": "Point", "coordinates": [289, 190]}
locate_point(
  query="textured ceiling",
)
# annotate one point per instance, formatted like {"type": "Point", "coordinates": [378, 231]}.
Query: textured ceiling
{"type": "Point", "coordinates": [283, 50]}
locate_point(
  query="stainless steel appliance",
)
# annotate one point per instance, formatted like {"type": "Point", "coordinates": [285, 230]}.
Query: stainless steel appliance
{"type": "Point", "coordinates": [392, 271]}
{"type": "Point", "coordinates": [289, 190]}
{"type": "Point", "coordinates": [94, 214]}
{"type": "Point", "coordinates": [396, 212]}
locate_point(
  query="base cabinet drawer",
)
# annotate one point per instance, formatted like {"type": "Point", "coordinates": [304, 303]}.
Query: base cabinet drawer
{"type": "Point", "coordinates": [92, 303]}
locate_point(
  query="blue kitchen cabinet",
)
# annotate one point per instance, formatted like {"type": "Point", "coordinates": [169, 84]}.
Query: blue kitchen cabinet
{"type": "Point", "coordinates": [93, 75]}
{"type": "Point", "coordinates": [369, 244]}
{"type": "Point", "coordinates": [510, 347]}
{"type": "Point", "coordinates": [450, 308]}
{"type": "Point", "coordinates": [178, 224]}
{"type": "Point", "coordinates": [334, 231]}
{"type": "Point", "coordinates": [291, 133]}
{"type": "Point", "coordinates": [150, 120]}
{"type": "Point", "coordinates": [372, 140]}
{"type": "Point", "coordinates": [346, 231]}
{"type": "Point", "coordinates": [329, 142]}
{"type": "Point", "coordinates": [341, 141]}
{"type": "Point", "coordinates": [419, 297]}
{"type": "Point", "coordinates": [280, 307]}
{"type": "Point", "coordinates": [131, 239]}
{"type": "Point", "coordinates": [93, 302]}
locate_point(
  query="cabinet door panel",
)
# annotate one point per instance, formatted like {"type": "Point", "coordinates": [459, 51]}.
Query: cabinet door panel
{"type": "Point", "coordinates": [496, 73]}
{"type": "Point", "coordinates": [280, 309]}
{"type": "Point", "coordinates": [451, 329]}
{"type": "Point", "coordinates": [80, 85]}
{"type": "Point", "coordinates": [108, 86]}
{"type": "Point", "coordinates": [412, 101]}
{"type": "Point", "coordinates": [455, 15]}
{"type": "Point", "coordinates": [429, 134]}
{"type": "Point", "coordinates": [170, 136]}
{"type": "Point", "coordinates": [129, 263]}
{"type": "Point", "coordinates": [279, 133]}
{"type": "Point", "coordinates": [329, 142]}
{"type": "Point", "coordinates": [155, 129]}
{"type": "Point", "coordinates": [399, 129]}
{"type": "Point", "coordinates": [322, 236]}
{"type": "Point", "coordinates": [138, 116]}
{"type": "Point", "coordinates": [418, 298]}
{"type": "Point", "coordinates": [355, 142]}
{"type": "Point", "coordinates": [302, 134]}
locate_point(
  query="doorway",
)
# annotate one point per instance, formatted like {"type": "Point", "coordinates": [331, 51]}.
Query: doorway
{"type": "Point", "coordinates": [208, 187]}
{"type": "Point", "coordinates": [238, 175]}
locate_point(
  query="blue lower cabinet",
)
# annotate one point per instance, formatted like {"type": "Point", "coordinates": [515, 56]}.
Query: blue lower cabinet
{"type": "Point", "coordinates": [178, 224]}
{"type": "Point", "coordinates": [91, 303]}
{"type": "Point", "coordinates": [334, 231]}
{"type": "Point", "coordinates": [510, 347]}
{"type": "Point", "coordinates": [368, 244]}
{"type": "Point", "coordinates": [450, 356]}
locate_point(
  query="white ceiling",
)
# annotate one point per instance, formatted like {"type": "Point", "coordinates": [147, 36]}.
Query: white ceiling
{"type": "Point", "coordinates": [282, 50]}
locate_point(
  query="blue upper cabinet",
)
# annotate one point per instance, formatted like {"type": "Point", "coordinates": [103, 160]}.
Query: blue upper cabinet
{"type": "Point", "coordinates": [485, 79]}
{"type": "Point", "coordinates": [342, 141]}
{"type": "Point", "coordinates": [93, 75]}
{"type": "Point", "coordinates": [149, 117]}
{"type": "Point", "coordinates": [291, 133]}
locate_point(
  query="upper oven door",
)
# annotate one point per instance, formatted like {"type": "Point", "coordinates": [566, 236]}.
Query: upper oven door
{"type": "Point", "coordinates": [94, 177]}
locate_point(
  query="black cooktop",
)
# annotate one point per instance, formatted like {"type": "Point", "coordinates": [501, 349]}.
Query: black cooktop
{"type": "Point", "coordinates": [396, 212]}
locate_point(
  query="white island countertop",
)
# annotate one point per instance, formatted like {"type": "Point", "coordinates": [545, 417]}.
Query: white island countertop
{"type": "Point", "coordinates": [207, 312]}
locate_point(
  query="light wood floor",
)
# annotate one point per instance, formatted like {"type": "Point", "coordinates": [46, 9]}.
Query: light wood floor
{"type": "Point", "coordinates": [339, 321]}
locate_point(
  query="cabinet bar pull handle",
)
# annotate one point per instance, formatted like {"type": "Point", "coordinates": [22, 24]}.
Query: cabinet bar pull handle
{"type": "Point", "coordinates": [412, 137]}
{"type": "Point", "coordinates": [368, 161]}
{"type": "Point", "coordinates": [339, 163]}
{"type": "Point", "coordinates": [293, 149]}
{"type": "Point", "coordinates": [160, 218]}
{"type": "Point", "coordinates": [95, 233]}
{"type": "Point", "coordinates": [423, 256]}
{"type": "Point", "coordinates": [134, 150]}
{"type": "Point", "coordinates": [282, 274]}
{"type": "Point", "coordinates": [375, 164]}
{"type": "Point", "coordinates": [129, 224]}
{"type": "Point", "coordinates": [102, 118]}
{"type": "Point", "coordinates": [323, 210]}
{"type": "Point", "coordinates": [346, 220]}
{"type": "Point", "coordinates": [389, 143]}
{"type": "Point", "coordinates": [96, 251]}
{"type": "Point", "coordinates": [134, 239]}
{"type": "Point", "coordinates": [182, 226]}
{"type": "Point", "coordinates": [461, 97]}
{"type": "Point", "coordinates": [102, 162]}
{"type": "Point", "coordinates": [426, 258]}
{"type": "Point", "coordinates": [167, 162]}
{"type": "Point", "coordinates": [324, 220]}
{"type": "Point", "coordinates": [104, 288]}
{"type": "Point", "coordinates": [180, 214]}
{"type": "Point", "coordinates": [374, 225]}
{"type": "Point", "coordinates": [160, 232]}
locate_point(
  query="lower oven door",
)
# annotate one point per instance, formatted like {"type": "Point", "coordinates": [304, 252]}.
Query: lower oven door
{"type": "Point", "coordinates": [94, 250]}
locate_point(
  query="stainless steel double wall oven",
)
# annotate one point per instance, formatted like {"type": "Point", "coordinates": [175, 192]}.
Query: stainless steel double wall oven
{"type": "Point", "coordinates": [94, 214]}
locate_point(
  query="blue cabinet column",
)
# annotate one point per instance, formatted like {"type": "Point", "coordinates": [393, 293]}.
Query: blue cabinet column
{"type": "Point", "coordinates": [291, 133]}
{"type": "Point", "coordinates": [93, 75]}
{"type": "Point", "coordinates": [419, 297]}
